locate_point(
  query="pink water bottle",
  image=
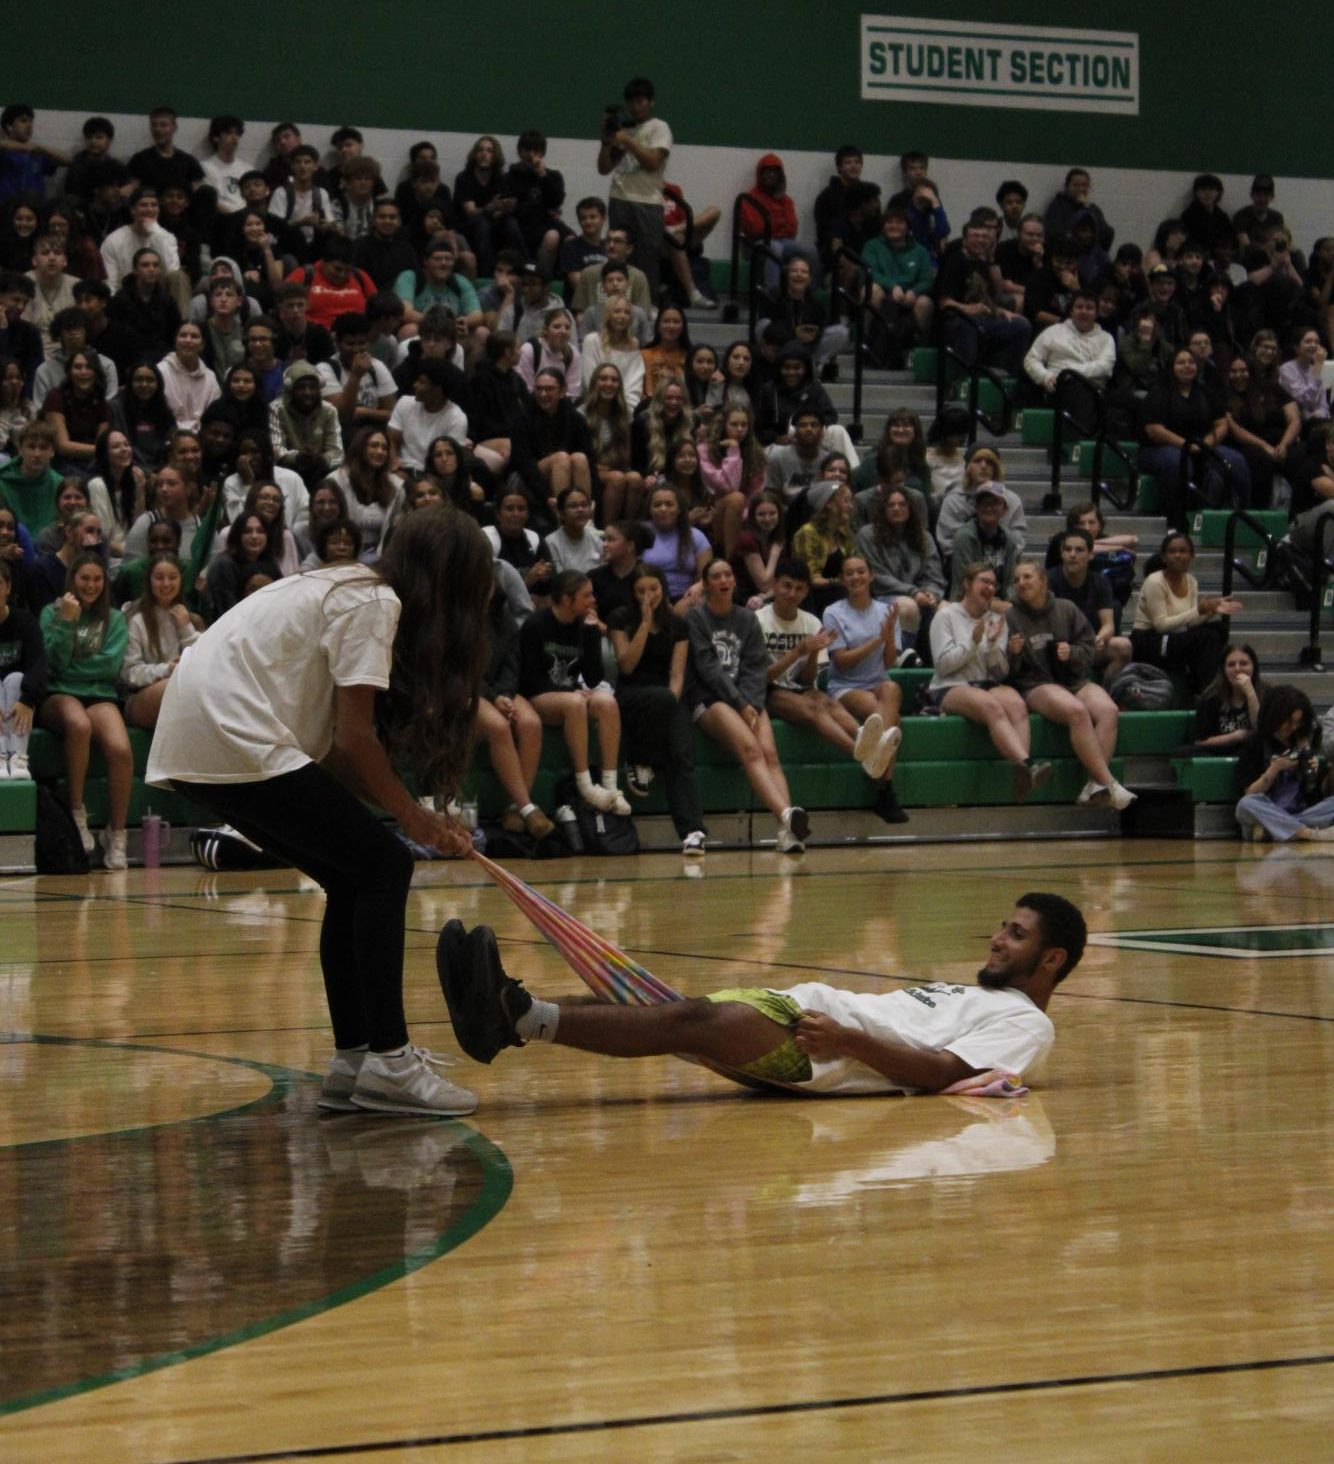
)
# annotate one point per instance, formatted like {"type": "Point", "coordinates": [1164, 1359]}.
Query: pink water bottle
{"type": "Point", "coordinates": [152, 829]}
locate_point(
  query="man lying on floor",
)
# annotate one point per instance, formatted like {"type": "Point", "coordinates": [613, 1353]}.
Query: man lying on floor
{"type": "Point", "coordinates": [824, 1039]}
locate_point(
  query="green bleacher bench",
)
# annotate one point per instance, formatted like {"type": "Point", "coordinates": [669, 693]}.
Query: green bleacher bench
{"type": "Point", "coordinates": [1208, 779]}
{"type": "Point", "coordinates": [989, 397]}
{"type": "Point", "coordinates": [1037, 426]}
{"type": "Point", "coordinates": [1081, 459]}
{"type": "Point", "coordinates": [925, 361]}
{"type": "Point", "coordinates": [1208, 527]}
{"type": "Point", "coordinates": [944, 762]}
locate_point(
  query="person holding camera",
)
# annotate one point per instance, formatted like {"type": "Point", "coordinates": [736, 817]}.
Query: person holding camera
{"type": "Point", "coordinates": [1285, 783]}
{"type": "Point", "coordinates": [634, 148]}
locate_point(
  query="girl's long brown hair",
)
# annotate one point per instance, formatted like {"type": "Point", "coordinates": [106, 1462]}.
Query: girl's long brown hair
{"type": "Point", "coordinates": [439, 565]}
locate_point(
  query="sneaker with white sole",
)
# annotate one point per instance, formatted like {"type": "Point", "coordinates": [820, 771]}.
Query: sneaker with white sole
{"type": "Point", "coordinates": [1121, 797]}
{"type": "Point", "coordinates": [340, 1079]}
{"type": "Point", "coordinates": [80, 817]}
{"type": "Point", "coordinates": [113, 849]}
{"type": "Point", "coordinates": [4, 767]}
{"type": "Point", "coordinates": [788, 843]}
{"type": "Point", "coordinates": [600, 798]}
{"type": "Point", "coordinates": [692, 846]}
{"type": "Point", "coordinates": [868, 738]}
{"type": "Point", "coordinates": [618, 803]}
{"type": "Point", "coordinates": [18, 766]}
{"type": "Point", "coordinates": [881, 765]}
{"type": "Point", "coordinates": [409, 1083]}
{"type": "Point", "coordinates": [638, 780]}
{"type": "Point", "coordinates": [485, 1003]}
{"type": "Point", "coordinates": [799, 822]}
{"type": "Point", "coordinates": [1093, 793]}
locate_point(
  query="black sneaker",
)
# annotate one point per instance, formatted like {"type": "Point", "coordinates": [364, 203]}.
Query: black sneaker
{"type": "Point", "coordinates": [484, 1003]}
{"type": "Point", "coordinates": [887, 805]}
{"type": "Point", "coordinates": [638, 780]}
{"type": "Point", "coordinates": [799, 821]}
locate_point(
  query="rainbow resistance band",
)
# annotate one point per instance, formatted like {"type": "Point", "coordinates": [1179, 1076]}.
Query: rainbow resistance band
{"type": "Point", "coordinates": [613, 977]}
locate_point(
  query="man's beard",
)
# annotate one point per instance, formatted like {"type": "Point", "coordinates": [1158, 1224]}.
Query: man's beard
{"type": "Point", "coordinates": [992, 980]}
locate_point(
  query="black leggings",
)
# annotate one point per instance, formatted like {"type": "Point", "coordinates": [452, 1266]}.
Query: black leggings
{"type": "Point", "coordinates": [1195, 652]}
{"type": "Point", "coordinates": [659, 732]}
{"type": "Point", "coordinates": [313, 822]}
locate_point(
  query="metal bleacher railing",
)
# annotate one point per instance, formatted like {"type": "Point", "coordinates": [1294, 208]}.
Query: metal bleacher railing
{"type": "Point", "coordinates": [970, 365]}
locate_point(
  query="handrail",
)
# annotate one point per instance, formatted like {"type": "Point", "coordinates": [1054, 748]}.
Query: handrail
{"type": "Point", "coordinates": [998, 427]}
{"type": "Point", "coordinates": [754, 287]}
{"type": "Point", "coordinates": [1233, 565]}
{"type": "Point", "coordinates": [1323, 570]}
{"type": "Point", "coordinates": [1186, 485]}
{"type": "Point", "coordinates": [859, 307]}
{"type": "Point", "coordinates": [732, 309]}
{"type": "Point", "coordinates": [1101, 443]}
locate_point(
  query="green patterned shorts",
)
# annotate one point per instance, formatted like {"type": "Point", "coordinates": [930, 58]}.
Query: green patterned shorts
{"type": "Point", "coordinates": [786, 1063]}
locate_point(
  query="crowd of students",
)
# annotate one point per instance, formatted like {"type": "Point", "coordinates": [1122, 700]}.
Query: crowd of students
{"type": "Point", "coordinates": [214, 375]}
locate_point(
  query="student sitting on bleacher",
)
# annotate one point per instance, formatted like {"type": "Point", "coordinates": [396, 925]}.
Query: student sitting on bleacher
{"type": "Point", "coordinates": [1075, 578]}
{"type": "Point", "coordinates": [159, 628]}
{"type": "Point", "coordinates": [1176, 627]}
{"type": "Point", "coordinates": [727, 687]}
{"type": "Point", "coordinates": [903, 558]}
{"type": "Point", "coordinates": [85, 644]}
{"type": "Point", "coordinates": [1284, 783]}
{"type": "Point", "coordinates": [652, 648]}
{"type": "Point", "coordinates": [1051, 660]}
{"type": "Point", "coordinates": [1228, 710]}
{"type": "Point", "coordinates": [983, 465]}
{"type": "Point", "coordinates": [23, 676]}
{"type": "Point", "coordinates": [984, 539]}
{"type": "Point", "coordinates": [969, 652]}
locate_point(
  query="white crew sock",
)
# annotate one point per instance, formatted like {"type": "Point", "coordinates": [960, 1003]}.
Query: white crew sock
{"type": "Point", "coordinates": [538, 1023]}
{"type": "Point", "coordinates": [609, 780]}
{"type": "Point", "coordinates": [527, 809]}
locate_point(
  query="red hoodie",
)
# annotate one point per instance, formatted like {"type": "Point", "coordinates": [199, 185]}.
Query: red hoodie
{"type": "Point", "coordinates": [779, 208]}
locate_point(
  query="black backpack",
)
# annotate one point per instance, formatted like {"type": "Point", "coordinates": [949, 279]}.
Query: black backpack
{"type": "Point", "coordinates": [57, 847]}
{"type": "Point", "coordinates": [602, 833]}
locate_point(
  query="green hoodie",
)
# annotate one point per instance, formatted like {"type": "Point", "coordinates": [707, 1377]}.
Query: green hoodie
{"type": "Point", "coordinates": [33, 500]}
{"type": "Point", "coordinates": [84, 656]}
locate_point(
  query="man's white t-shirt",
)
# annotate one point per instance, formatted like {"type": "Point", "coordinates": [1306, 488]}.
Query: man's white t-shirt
{"type": "Point", "coordinates": [253, 698]}
{"type": "Point", "coordinates": [986, 1027]}
{"type": "Point", "coordinates": [782, 636]}
{"type": "Point", "coordinates": [375, 385]}
{"type": "Point", "coordinates": [225, 178]}
{"type": "Point", "coordinates": [633, 182]}
{"type": "Point", "coordinates": [420, 428]}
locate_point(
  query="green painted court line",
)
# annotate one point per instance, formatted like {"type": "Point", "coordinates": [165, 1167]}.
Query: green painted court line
{"type": "Point", "coordinates": [498, 1181]}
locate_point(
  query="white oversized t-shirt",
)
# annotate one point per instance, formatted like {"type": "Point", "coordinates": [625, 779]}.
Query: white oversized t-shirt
{"type": "Point", "coordinates": [782, 636]}
{"type": "Point", "coordinates": [253, 698]}
{"type": "Point", "coordinates": [987, 1028]}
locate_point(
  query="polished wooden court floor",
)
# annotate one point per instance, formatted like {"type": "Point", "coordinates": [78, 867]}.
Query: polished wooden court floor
{"type": "Point", "coordinates": [638, 1261]}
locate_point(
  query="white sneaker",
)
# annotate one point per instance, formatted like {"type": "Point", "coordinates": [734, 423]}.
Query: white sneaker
{"type": "Point", "coordinates": [602, 799]}
{"type": "Point", "coordinates": [618, 803]}
{"type": "Point", "coordinates": [788, 843]}
{"type": "Point", "coordinates": [882, 763]}
{"type": "Point", "coordinates": [409, 1083]}
{"type": "Point", "coordinates": [80, 815]}
{"type": "Point", "coordinates": [340, 1080]}
{"type": "Point", "coordinates": [4, 767]}
{"type": "Point", "coordinates": [1120, 797]}
{"type": "Point", "coordinates": [18, 766]}
{"type": "Point", "coordinates": [1095, 793]}
{"type": "Point", "coordinates": [692, 846]}
{"type": "Point", "coordinates": [868, 738]}
{"type": "Point", "coordinates": [113, 849]}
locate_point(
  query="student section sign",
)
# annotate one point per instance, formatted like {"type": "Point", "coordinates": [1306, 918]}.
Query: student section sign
{"type": "Point", "coordinates": [971, 64]}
